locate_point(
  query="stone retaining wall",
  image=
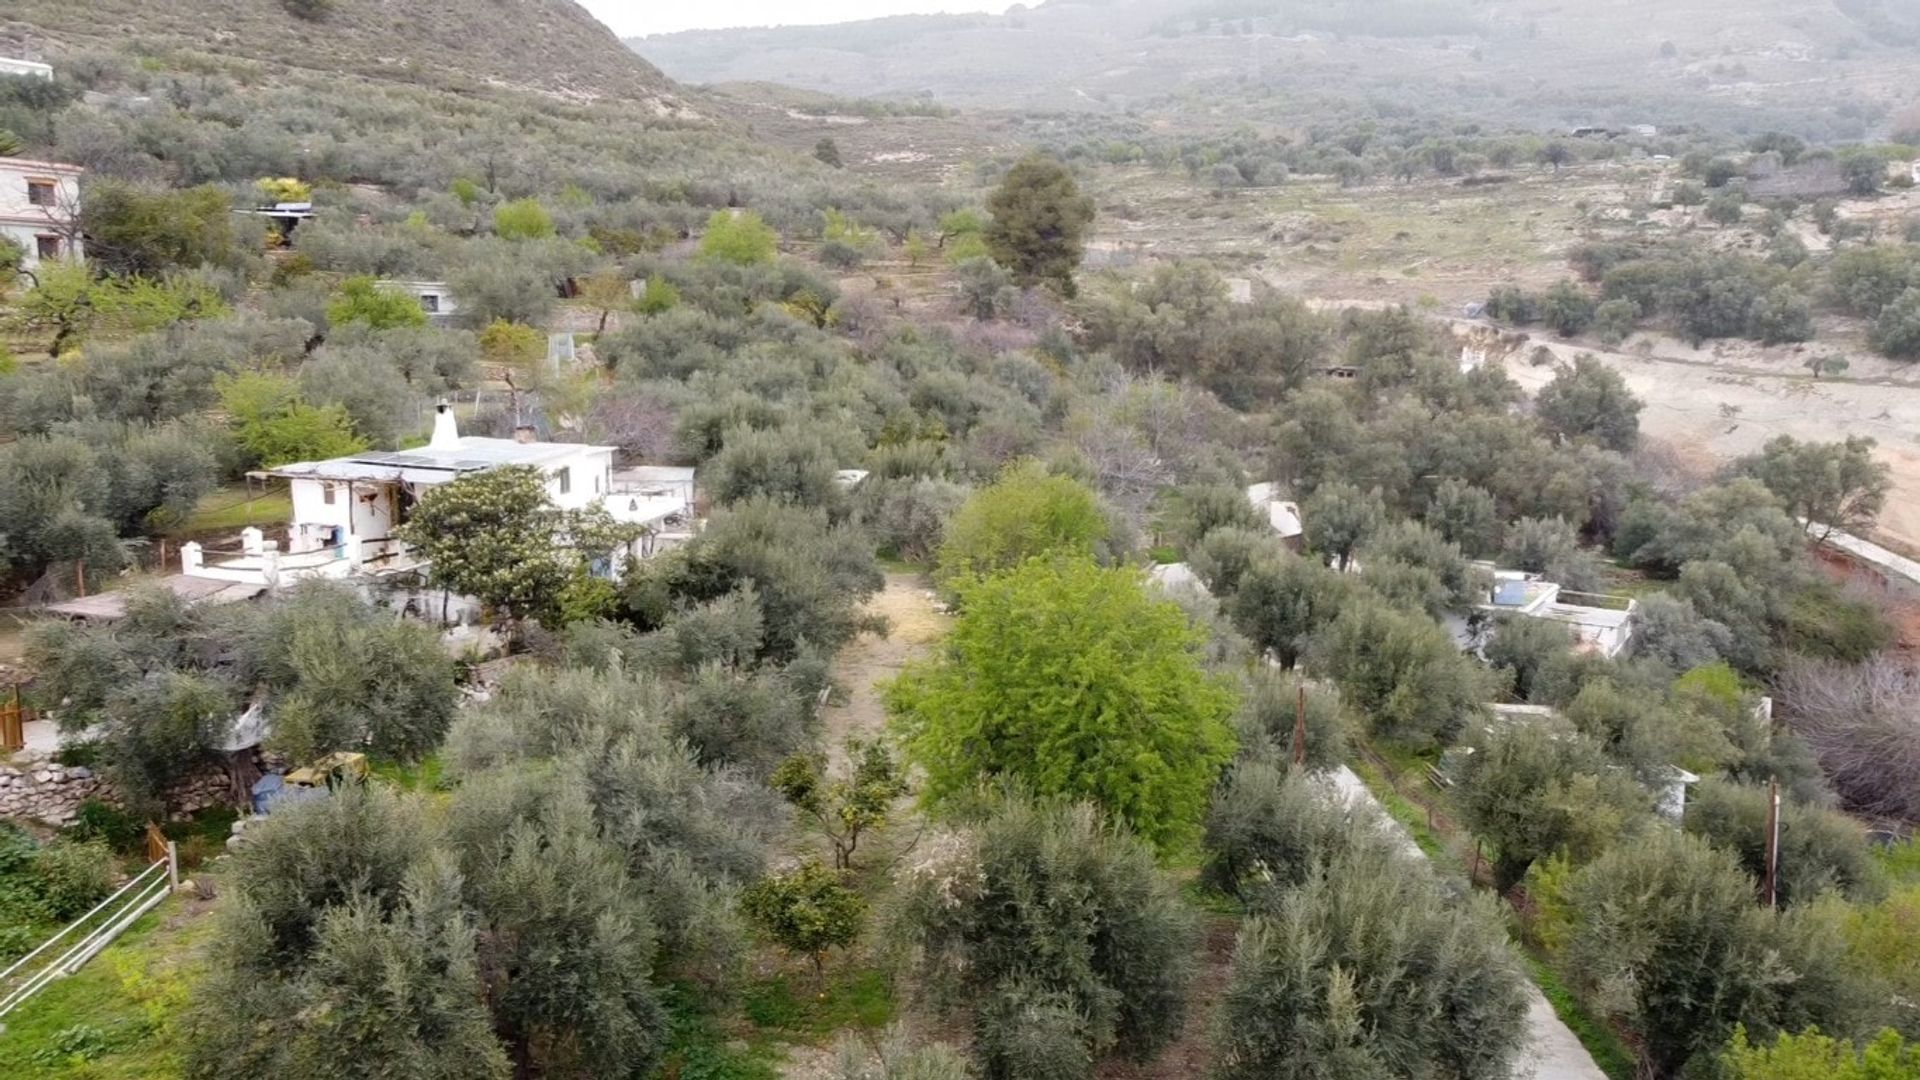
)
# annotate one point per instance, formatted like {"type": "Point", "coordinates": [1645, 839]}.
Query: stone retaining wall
{"type": "Point", "coordinates": [37, 787]}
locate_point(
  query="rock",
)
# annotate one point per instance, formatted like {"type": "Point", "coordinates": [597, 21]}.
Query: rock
{"type": "Point", "coordinates": [186, 887]}
{"type": "Point", "coordinates": [80, 772]}
{"type": "Point", "coordinates": [42, 776]}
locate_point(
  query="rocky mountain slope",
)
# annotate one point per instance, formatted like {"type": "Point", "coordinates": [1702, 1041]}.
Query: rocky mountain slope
{"type": "Point", "coordinates": [1832, 68]}
{"type": "Point", "coordinates": [550, 46]}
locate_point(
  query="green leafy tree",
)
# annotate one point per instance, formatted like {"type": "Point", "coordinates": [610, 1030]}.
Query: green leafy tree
{"type": "Point", "coordinates": [522, 219]}
{"type": "Point", "coordinates": [274, 426]}
{"type": "Point", "coordinates": [808, 911]}
{"type": "Point", "coordinates": [606, 292]}
{"type": "Point", "coordinates": [1828, 486]}
{"type": "Point", "coordinates": [497, 537]}
{"type": "Point", "coordinates": [1039, 223]}
{"type": "Point", "coordinates": [1075, 681]}
{"type": "Point", "coordinates": [658, 297]}
{"type": "Point", "coordinates": [1820, 849]}
{"type": "Point", "coordinates": [1668, 939]}
{"type": "Point", "coordinates": [1400, 670]}
{"type": "Point", "coordinates": [738, 237]}
{"type": "Point", "coordinates": [1813, 1056]}
{"type": "Point", "coordinates": [845, 809]}
{"type": "Point", "coordinates": [827, 152]}
{"type": "Point", "coordinates": [132, 229]}
{"type": "Point", "coordinates": [1024, 514]}
{"type": "Point", "coordinates": [1590, 401]}
{"type": "Point", "coordinates": [1864, 170]}
{"type": "Point", "coordinates": [1534, 793]}
{"type": "Point", "coordinates": [1339, 518]}
{"type": "Point", "coordinates": [359, 299]}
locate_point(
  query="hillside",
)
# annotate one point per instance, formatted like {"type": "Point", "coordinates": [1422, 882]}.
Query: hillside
{"type": "Point", "coordinates": [551, 46]}
{"type": "Point", "coordinates": [1828, 69]}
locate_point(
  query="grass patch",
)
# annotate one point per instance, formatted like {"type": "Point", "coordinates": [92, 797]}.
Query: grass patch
{"type": "Point", "coordinates": [860, 998]}
{"type": "Point", "coordinates": [426, 775]}
{"type": "Point", "coordinates": [115, 1019]}
{"type": "Point", "coordinates": [699, 1047]}
{"type": "Point", "coordinates": [1608, 1052]}
{"type": "Point", "coordinates": [1412, 817]}
{"type": "Point", "coordinates": [234, 507]}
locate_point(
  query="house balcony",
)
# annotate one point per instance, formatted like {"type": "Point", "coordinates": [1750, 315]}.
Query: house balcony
{"type": "Point", "coordinates": [262, 563]}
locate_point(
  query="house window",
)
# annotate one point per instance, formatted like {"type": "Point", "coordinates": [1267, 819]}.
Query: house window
{"type": "Point", "coordinates": [566, 480]}
{"type": "Point", "coordinates": [430, 303]}
{"type": "Point", "coordinates": [327, 492]}
{"type": "Point", "coordinates": [46, 247]}
{"type": "Point", "coordinates": [40, 192]}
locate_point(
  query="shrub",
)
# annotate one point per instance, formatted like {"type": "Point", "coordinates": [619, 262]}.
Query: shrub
{"type": "Point", "coordinates": [1271, 825]}
{"type": "Point", "coordinates": [738, 237]}
{"type": "Point", "coordinates": [522, 219]}
{"type": "Point", "coordinates": [1366, 970]}
{"type": "Point", "coordinates": [806, 911]}
{"type": "Point", "coordinates": [70, 877]}
{"type": "Point", "coordinates": [1024, 514]}
{"type": "Point", "coordinates": [1046, 910]}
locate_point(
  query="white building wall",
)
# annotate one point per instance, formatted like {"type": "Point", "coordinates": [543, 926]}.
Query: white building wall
{"type": "Point", "coordinates": [29, 223]}
{"type": "Point", "coordinates": [33, 69]}
{"type": "Point", "coordinates": [588, 476]}
{"type": "Point", "coordinates": [363, 509]}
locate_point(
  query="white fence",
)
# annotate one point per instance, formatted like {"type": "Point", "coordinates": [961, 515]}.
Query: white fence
{"type": "Point", "coordinates": [89, 934]}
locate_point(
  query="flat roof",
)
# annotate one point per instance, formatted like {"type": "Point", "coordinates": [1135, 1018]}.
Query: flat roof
{"type": "Point", "coordinates": [113, 605]}
{"type": "Point", "coordinates": [428, 464]}
{"type": "Point", "coordinates": [21, 164]}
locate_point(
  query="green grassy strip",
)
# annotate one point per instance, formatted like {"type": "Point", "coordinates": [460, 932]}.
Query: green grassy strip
{"type": "Point", "coordinates": [1608, 1052]}
{"type": "Point", "coordinates": [1412, 817]}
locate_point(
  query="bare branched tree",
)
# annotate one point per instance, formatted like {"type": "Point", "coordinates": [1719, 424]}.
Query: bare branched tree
{"type": "Point", "coordinates": [1863, 723]}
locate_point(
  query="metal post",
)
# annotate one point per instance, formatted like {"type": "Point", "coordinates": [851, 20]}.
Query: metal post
{"type": "Point", "coordinates": [1300, 726]}
{"type": "Point", "coordinates": [1772, 879]}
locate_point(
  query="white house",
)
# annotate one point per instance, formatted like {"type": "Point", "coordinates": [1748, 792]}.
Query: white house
{"type": "Point", "coordinates": [435, 298]}
{"type": "Point", "coordinates": [1281, 515]}
{"type": "Point", "coordinates": [1599, 622]}
{"type": "Point", "coordinates": [40, 209]}
{"type": "Point", "coordinates": [346, 509]}
{"type": "Point", "coordinates": [29, 69]}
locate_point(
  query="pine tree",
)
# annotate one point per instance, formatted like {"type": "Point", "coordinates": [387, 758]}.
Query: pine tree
{"type": "Point", "coordinates": [1039, 224]}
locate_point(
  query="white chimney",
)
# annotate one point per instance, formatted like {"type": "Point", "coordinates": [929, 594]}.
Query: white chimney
{"type": "Point", "coordinates": [445, 431]}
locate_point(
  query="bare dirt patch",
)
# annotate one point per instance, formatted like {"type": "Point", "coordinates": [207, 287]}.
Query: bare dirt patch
{"type": "Point", "coordinates": [870, 660]}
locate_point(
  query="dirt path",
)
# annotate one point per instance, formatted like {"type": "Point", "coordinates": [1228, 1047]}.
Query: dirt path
{"type": "Point", "coordinates": [869, 660]}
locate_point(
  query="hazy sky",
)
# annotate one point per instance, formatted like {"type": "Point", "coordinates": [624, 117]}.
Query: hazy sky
{"type": "Point", "coordinates": [630, 18]}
